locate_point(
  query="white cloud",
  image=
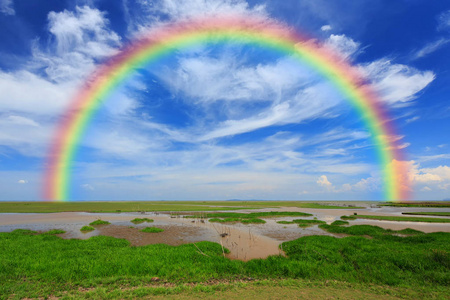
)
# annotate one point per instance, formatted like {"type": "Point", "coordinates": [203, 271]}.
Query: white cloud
{"type": "Point", "coordinates": [444, 20]}
{"type": "Point", "coordinates": [323, 182]}
{"type": "Point", "coordinates": [431, 47]}
{"type": "Point", "coordinates": [413, 119]}
{"type": "Point", "coordinates": [33, 98]}
{"type": "Point", "coordinates": [325, 28]}
{"type": "Point", "coordinates": [344, 45]}
{"type": "Point", "coordinates": [397, 83]}
{"type": "Point", "coordinates": [425, 189]}
{"type": "Point", "coordinates": [6, 7]}
{"type": "Point", "coordinates": [22, 181]}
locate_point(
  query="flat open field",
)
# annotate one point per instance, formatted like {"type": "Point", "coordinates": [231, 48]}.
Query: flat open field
{"type": "Point", "coordinates": [221, 250]}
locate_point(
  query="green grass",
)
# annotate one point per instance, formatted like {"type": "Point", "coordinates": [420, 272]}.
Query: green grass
{"type": "Point", "coordinates": [99, 222]}
{"type": "Point", "coordinates": [340, 223]}
{"type": "Point", "coordinates": [55, 231]}
{"type": "Point", "coordinates": [237, 220]}
{"type": "Point", "coordinates": [141, 220]}
{"type": "Point", "coordinates": [418, 204]}
{"type": "Point", "coordinates": [367, 230]}
{"type": "Point", "coordinates": [348, 217]}
{"type": "Point", "coordinates": [42, 265]}
{"type": "Point", "coordinates": [137, 206]}
{"type": "Point", "coordinates": [152, 229]}
{"type": "Point", "coordinates": [404, 219]}
{"type": "Point", "coordinates": [87, 228]}
{"type": "Point", "coordinates": [443, 214]}
{"type": "Point", "coordinates": [270, 214]}
{"type": "Point", "coordinates": [303, 223]}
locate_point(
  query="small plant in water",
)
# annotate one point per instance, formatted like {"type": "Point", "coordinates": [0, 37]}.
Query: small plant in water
{"type": "Point", "coordinates": [99, 222]}
{"type": "Point", "coordinates": [55, 231]}
{"type": "Point", "coordinates": [87, 228]}
{"type": "Point", "coordinates": [141, 220]}
{"type": "Point", "coordinates": [152, 229]}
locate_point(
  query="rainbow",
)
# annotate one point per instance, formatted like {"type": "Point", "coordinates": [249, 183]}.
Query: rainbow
{"type": "Point", "coordinates": [243, 29]}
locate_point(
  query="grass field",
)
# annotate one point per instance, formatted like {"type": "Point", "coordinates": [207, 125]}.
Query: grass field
{"type": "Point", "coordinates": [417, 204]}
{"type": "Point", "coordinates": [171, 206]}
{"type": "Point", "coordinates": [404, 219]}
{"type": "Point", "coordinates": [42, 265]}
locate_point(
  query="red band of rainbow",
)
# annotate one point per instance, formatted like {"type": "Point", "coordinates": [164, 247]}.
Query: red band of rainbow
{"type": "Point", "coordinates": [347, 79]}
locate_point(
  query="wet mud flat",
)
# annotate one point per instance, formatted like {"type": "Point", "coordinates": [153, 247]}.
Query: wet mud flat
{"type": "Point", "coordinates": [245, 242]}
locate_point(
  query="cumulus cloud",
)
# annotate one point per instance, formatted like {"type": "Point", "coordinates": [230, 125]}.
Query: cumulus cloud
{"type": "Point", "coordinates": [32, 98]}
{"type": "Point", "coordinates": [397, 83]}
{"type": "Point", "coordinates": [323, 182]}
{"type": "Point", "coordinates": [22, 181]}
{"type": "Point", "coordinates": [7, 7]}
{"type": "Point", "coordinates": [344, 45]}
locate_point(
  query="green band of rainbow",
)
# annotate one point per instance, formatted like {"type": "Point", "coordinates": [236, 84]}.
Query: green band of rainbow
{"type": "Point", "coordinates": [226, 29]}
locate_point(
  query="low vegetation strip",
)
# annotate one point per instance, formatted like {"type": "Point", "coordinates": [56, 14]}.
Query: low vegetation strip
{"type": "Point", "coordinates": [404, 219]}
{"type": "Point", "coordinates": [137, 206]}
{"type": "Point", "coordinates": [340, 223]}
{"type": "Point", "coordinates": [443, 214]}
{"type": "Point", "coordinates": [367, 230]}
{"type": "Point", "coordinates": [87, 228]}
{"type": "Point", "coordinates": [302, 222]}
{"type": "Point", "coordinates": [141, 220]}
{"type": "Point", "coordinates": [418, 204]}
{"type": "Point", "coordinates": [236, 220]}
{"type": "Point", "coordinates": [42, 265]}
{"type": "Point", "coordinates": [250, 215]}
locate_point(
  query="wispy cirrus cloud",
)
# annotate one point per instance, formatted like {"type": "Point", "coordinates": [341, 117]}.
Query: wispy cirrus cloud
{"type": "Point", "coordinates": [7, 7]}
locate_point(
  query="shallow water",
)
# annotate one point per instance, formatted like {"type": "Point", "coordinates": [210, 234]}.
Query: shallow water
{"type": "Point", "coordinates": [245, 242]}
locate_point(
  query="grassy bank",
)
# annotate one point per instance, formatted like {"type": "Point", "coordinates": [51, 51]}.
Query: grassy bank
{"type": "Point", "coordinates": [418, 204]}
{"type": "Point", "coordinates": [40, 265]}
{"type": "Point", "coordinates": [135, 206]}
{"type": "Point", "coordinates": [403, 219]}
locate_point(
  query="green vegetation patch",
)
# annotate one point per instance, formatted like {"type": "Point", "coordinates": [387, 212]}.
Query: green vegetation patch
{"type": "Point", "coordinates": [99, 222]}
{"type": "Point", "coordinates": [418, 204]}
{"type": "Point", "coordinates": [339, 223]}
{"type": "Point", "coordinates": [250, 215]}
{"type": "Point", "coordinates": [55, 231]}
{"type": "Point", "coordinates": [303, 223]}
{"type": "Point", "coordinates": [236, 220]}
{"type": "Point", "coordinates": [367, 230]}
{"type": "Point", "coordinates": [41, 265]}
{"type": "Point", "coordinates": [141, 220]}
{"type": "Point", "coordinates": [24, 231]}
{"type": "Point", "coordinates": [443, 214]}
{"type": "Point", "coordinates": [152, 229]}
{"type": "Point", "coordinates": [87, 228]}
{"type": "Point", "coordinates": [348, 217]}
{"type": "Point", "coordinates": [404, 219]}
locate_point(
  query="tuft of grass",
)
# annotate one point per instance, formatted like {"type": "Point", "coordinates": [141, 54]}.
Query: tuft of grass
{"type": "Point", "coordinates": [141, 220]}
{"type": "Point", "coordinates": [404, 219]}
{"type": "Point", "coordinates": [152, 229]}
{"type": "Point", "coordinates": [339, 223]}
{"type": "Point", "coordinates": [303, 223]}
{"type": "Point", "coordinates": [348, 217]}
{"type": "Point", "coordinates": [87, 228]}
{"type": "Point", "coordinates": [99, 222]}
{"type": "Point", "coordinates": [55, 231]}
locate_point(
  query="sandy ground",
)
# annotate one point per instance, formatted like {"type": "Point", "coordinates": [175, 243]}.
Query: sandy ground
{"type": "Point", "coordinates": [245, 242]}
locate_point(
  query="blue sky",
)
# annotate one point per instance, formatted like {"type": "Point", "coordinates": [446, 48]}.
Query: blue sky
{"type": "Point", "coordinates": [224, 121]}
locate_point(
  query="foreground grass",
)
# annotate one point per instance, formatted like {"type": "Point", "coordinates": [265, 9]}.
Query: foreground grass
{"type": "Point", "coordinates": [428, 213]}
{"type": "Point", "coordinates": [135, 206]}
{"type": "Point", "coordinates": [41, 265]}
{"type": "Point", "coordinates": [404, 219]}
